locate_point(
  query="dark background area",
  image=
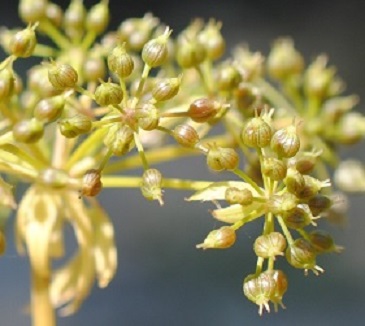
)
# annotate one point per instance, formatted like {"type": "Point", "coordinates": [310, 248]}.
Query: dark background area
{"type": "Point", "coordinates": [162, 279]}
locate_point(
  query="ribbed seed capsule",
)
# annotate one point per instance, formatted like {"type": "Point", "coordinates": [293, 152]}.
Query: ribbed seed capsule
{"type": "Point", "coordinates": [97, 18]}
{"type": "Point", "coordinates": [274, 168]}
{"type": "Point", "coordinates": [301, 254]}
{"type": "Point", "coordinates": [62, 75]}
{"type": "Point", "coordinates": [23, 42]}
{"type": "Point", "coordinates": [234, 195]}
{"type": "Point", "coordinates": [203, 109]}
{"type": "Point", "coordinates": [28, 131]}
{"type": "Point", "coordinates": [108, 94]}
{"type": "Point", "coordinates": [298, 217]}
{"type": "Point", "coordinates": [294, 181]}
{"type": "Point", "coordinates": [7, 83]}
{"type": "Point", "coordinates": [323, 242]}
{"type": "Point", "coordinates": [319, 204]}
{"type": "Point", "coordinates": [155, 51]}
{"type": "Point", "coordinates": [148, 117]}
{"type": "Point", "coordinates": [75, 126]}
{"type": "Point", "coordinates": [268, 286]}
{"type": "Point", "coordinates": [91, 183]}
{"type": "Point", "coordinates": [151, 185]}
{"type": "Point", "coordinates": [119, 139]}
{"type": "Point", "coordinates": [222, 238]}
{"type": "Point", "coordinates": [166, 89]}
{"type": "Point", "coordinates": [212, 40]}
{"type": "Point", "coordinates": [120, 61]}
{"type": "Point", "coordinates": [256, 133]}
{"type": "Point", "coordinates": [285, 142]}
{"type": "Point", "coordinates": [270, 245]}
{"type": "Point", "coordinates": [220, 158]}
{"type": "Point", "coordinates": [228, 77]}
{"type": "Point", "coordinates": [31, 11]}
{"type": "Point", "coordinates": [311, 187]}
{"type": "Point", "coordinates": [186, 135]}
{"type": "Point", "coordinates": [49, 109]}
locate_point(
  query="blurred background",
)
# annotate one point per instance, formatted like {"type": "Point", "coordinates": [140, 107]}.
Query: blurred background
{"type": "Point", "coordinates": [162, 279]}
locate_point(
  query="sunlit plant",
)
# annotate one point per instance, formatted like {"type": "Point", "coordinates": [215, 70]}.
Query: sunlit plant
{"type": "Point", "coordinates": [99, 103]}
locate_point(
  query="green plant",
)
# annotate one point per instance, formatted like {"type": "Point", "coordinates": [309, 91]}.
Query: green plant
{"type": "Point", "coordinates": [90, 113]}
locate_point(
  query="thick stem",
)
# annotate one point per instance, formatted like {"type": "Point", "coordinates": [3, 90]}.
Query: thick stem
{"type": "Point", "coordinates": [41, 307]}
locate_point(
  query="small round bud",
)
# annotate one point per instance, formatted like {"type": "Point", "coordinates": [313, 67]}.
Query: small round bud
{"type": "Point", "coordinates": [49, 109]}
{"type": "Point", "coordinates": [284, 60]}
{"type": "Point", "coordinates": [301, 254]}
{"type": "Point", "coordinates": [285, 142]}
{"type": "Point", "coordinates": [93, 69]}
{"type": "Point", "coordinates": [119, 139]}
{"type": "Point", "coordinates": [323, 242]}
{"type": "Point", "coordinates": [108, 94]}
{"type": "Point", "coordinates": [350, 129]}
{"type": "Point", "coordinates": [186, 135]}
{"type": "Point", "coordinates": [166, 89]}
{"type": "Point", "coordinates": [270, 245]}
{"type": "Point", "coordinates": [203, 109]}
{"type": "Point", "coordinates": [228, 77]}
{"type": "Point", "coordinates": [212, 40]}
{"type": "Point", "coordinates": [38, 82]}
{"type": "Point", "coordinates": [75, 126]}
{"type": "Point", "coordinates": [62, 75]}
{"type": "Point", "coordinates": [74, 18]}
{"type": "Point", "coordinates": [155, 51]}
{"type": "Point", "coordinates": [234, 195]}
{"type": "Point", "coordinates": [97, 18]}
{"type": "Point", "coordinates": [31, 11]}
{"type": "Point", "coordinates": [220, 158]}
{"type": "Point", "coordinates": [23, 42]}
{"type": "Point", "coordinates": [91, 183]}
{"type": "Point", "coordinates": [151, 185]}
{"type": "Point", "coordinates": [294, 181]}
{"type": "Point", "coordinates": [2, 243]}
{"type": "Point", "coordinates": [28, 131]}
{"type": "Point", "coordinates": [319, 204]}
{"type": "Point", "coordinates": [120, 62]}
{"type": "Point", "coordinates": [256, 133]}
{"type": "Point", "coordinates": [189, 52]}
{"type": "Point", "coordinates": [148, 116]}
{"type": "Point", "coordinates": [274, 168]}
{"type": "Point", "coordinates": [54, 13]}
{"type": "Point", "coordinates": [7, 83]}
{"type": "Point", "coordinates": [222, 238]}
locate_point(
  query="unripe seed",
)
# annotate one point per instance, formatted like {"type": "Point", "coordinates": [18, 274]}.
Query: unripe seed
{"type": "Point", "coordinates": [220, 159]}
{"type": "Point", "coordinates": [97, 18]}
{"type": "Point", "coordinates": [298, 217]}
{"type": "Point", "coordinates": [301, 254]}
{"type": "Point", "coordinates": [54, 13]}
{"type": "Point", "coordinates": [212, 40]}
{"type": "Point", "coordinates": [49, 109]}
{"type": "Point", "coordinates": [148, 117]}
{"type": "Point", "coordinates": [155, 51]}
{"type": "Point", "coordinates": [285, 142]}
{"type": "Point", "coordinates": [222, 238]}
{"type": "Point", "coordinates": [256, 133]}
{"type": "Point", "coordinates": [277, 204]}
{"type": "Point", "coordinates": [31, 11]}
{"type": "Point", "coordinates": [203, 109]}
{"type": "Point", "coordinates": [108, 94]}
{"type": "Point", "coordinates": [323, 242]}
{"type": "Point", "coordinates": [120, 62]}
{"type": "Point", "coordinates": [119, 139]}
{"type": "Point", "coordinates": [166, 89]}
{"type": "Point", "coordinates": [23, 43]}
{"type": "Point", "coordinates": [234, 195]}
{"type": "Point", "coordinates": [294, 181]}
{"type": "Point", "coordinates": [186, 135]}
{"type": "Point", "coordinates": [319, 204]}
{"type": "Point", "coordinates": [62, 75]}
{"type": "Point", "coordinates": [28, 131]}
{"type": "Point", "coordinates": [228, 77]}
{"type": "Point", "coordinates": [91, 183]}
{"type": "Point", "coordinates": [74, 18]}
{"type": "Point", "coordinates": [151, 185]}
{"type": "Point", "coordinates": [274, 168]}
{"type": "Point", "coordinates": [75, 126]}
{"type": "Point", "coordinates": [190, 52]}
{"type": "Point", "coordinates": [7, 83]}
{"type": "Point", "coordinates": [270, 245]}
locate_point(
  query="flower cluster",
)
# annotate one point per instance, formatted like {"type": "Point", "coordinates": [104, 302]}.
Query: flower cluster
{"type": "Point", "coordinates": [98, 104]}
